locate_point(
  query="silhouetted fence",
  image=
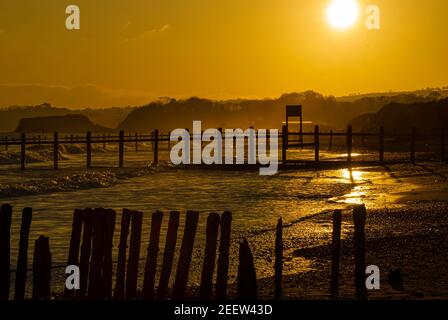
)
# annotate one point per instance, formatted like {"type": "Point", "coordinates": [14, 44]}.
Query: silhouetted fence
{"type": "Point", "coordinates": [288, 141]}
{"type": "Point", "coordinates": [91, 246]}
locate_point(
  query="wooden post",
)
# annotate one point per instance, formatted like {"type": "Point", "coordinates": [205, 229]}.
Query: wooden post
{"type": "Point", "coordinates": [5, 248]}
{"type": "Point", "coordinates": [89, 149]}
{"type": "Point", "coordinates": [442, 145]}
{"type": "Point", "coordinates": [246, 278]}
{"type": "Point", "coordinates": [55, 150]}
{"type": "Point", "coordinates": [86, 248]}
{"type": "Point", "coordinates": [6, 143]}
{"type": "Point", "coordinates": [95, 288]}
{"type": "Point", "coordinates": [156, 147]}
{"type": "Point", "coordinates": [278, 266]}
{"type": "Point", "coordinates": [208, 266]}
{"type": "Point", "coordinates": [104, 141]}
{"type": "Point", "coordinates": [284, 144]}
{"type": "Point", "coordinates": [316, 143]}
{"type": "Point", "coordinates": [136, 142]}
{"type": "Point", "coordinates": [75, 239]}
{"type": "Point", "coordinates": [22, 260]}
{"type": "Point", "coordinates": [223, 259]}
{"type": "Point", "coordinates": [109, 228]}
{"type": "Point", "coordinates": [100, 274]}
{"type": "Point", "coordinates": [330, 144]}
{"type": "Point", "coordinates": [151, 258]}
{"type": "Point", "coordinates": [121, 265]}
{"type": "Point", "coordinates": [359, 219]}
{"type": "Point", "coordinates": [186, 250]}
{"type": "Point", "coordinates": [413, 142]}
{"type": "Point", "coordinates": [134, 255]}
{"type": "Point", "coordinates": [42, 269]}
{"type": "Point", "coordinates": [381, 137]}
{"type": "Point", "coordinates": [349, 144]}
{"type": "Point", "coordinates": [22, 151]}
{"type": "Point", "coordinates": [121, 149]}
{"type": "Point", "coordinates": [335, 253]}
{"type": "Point", "coordinates": [168, 254]}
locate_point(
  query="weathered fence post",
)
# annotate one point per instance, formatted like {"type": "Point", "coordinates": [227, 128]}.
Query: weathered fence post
{"type": "Point", "coordinates": [98, 243]}
{"type": "Point", "coordinates": [246, 278]}
{"type": "Point", "coordinates": [168, 254]}
{"type": "Point", "coordinates": [359, 219]}
{"type": "Point", "coordinates": [134, 255]}
{"type": "Point", "coordinates": [335, 253]}
{"type": "Point", "coordinates": [278, 265]}
{"type": "Point", "coordinates": [104, 141]}
{"type": "Point", "coordinates": [330, 143]}
{"type": "Point", "coordinates": [316, 143]}
{"type": "Point", "coordinates": [284, 144]}
{"type": "Point", "coordinates": [136, 142]}
{"type": "Point", "coordinates": [109, 228]}
{"type": "Point", "coordinates": [22, 151]}
{"type": "Point", "coordinates": [121, 264]}
{"type": "Point", "coordinates": [413, 142]}
{"type": "Point", "coordinates": [156, 147]}
{"type": "Point", "coordinates": [208, 266]}
{"type": "Point", "coordinates": [223, 259]}
{"type": "Point", "coordinates": [5, 248]}
{"type": "Point", "coordinates": [86, 248]}
{"type": "Point", "coordinates": [100, 275]}
{"type": "Point", "coordinates": [6, 143]}
{"type": "Point", "coordinates": [42, 269]}
{"type": "Point", "coordinates": [75, 239]}
{"type": "Point", "coordinates": [349, 144]}
{"type": "Point", "coordinates": [151, 258]}
{"type": "Point", "coordinates": [89, 149]}
{"type": "Point", "coordinates": [381, 141]}
{"type": "Point", "coordinates": [22, 260]}
{"type": "Point", "coordinates": [55, 150]}
{"type": "Point", "coordinates": [121, 149]}
{"type": "Point", "coordinates": [186, 250]}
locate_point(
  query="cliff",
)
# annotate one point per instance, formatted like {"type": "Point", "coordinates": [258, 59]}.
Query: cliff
{"type": "Point", "coordinates": [71, 123]}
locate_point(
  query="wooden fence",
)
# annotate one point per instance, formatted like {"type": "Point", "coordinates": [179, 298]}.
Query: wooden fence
{"type": "Point", "coordinates": [289, 140]}
{"type": "Point", "coordinates": [91, 249]}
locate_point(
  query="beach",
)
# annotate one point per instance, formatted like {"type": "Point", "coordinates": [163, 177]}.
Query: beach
{"type": "Point", "coordinates": [406, 206]}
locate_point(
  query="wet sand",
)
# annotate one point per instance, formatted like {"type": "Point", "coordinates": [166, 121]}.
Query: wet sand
{"type": "Point", "coordinates": [408, 232]}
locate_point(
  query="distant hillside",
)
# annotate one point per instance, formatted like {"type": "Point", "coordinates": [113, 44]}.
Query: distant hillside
{"type": "Point", "coordinates": [10, 117]}
{"type": "Point", "coordinates": [168, 114]}
{"type": "Point", "coordinates": [71, 123]}
{"type": "Point", "coordinates": [269, 113]}
{"type": "Point", "coordinates": [428, 117]}
{"type": "Point", "coordinates": [431, 93]}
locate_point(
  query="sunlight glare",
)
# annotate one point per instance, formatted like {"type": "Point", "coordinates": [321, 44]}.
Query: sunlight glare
{"type": "Point", "coordinates": [342, 14]}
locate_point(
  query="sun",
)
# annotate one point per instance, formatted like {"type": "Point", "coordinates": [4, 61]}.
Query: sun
{"type": "Point", "coordinates": [342, 14]}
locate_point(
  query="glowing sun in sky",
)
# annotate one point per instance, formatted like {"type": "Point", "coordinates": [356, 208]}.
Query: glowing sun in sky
{"type": "Point", "coordinates": [342, 14]}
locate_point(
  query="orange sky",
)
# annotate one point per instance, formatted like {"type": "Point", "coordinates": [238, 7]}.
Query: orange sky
{"type": "Point", "coordinates": [133, 51]}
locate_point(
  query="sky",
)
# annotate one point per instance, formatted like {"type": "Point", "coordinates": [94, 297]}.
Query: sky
{"type": "Point", "coordinates": [133, 51]}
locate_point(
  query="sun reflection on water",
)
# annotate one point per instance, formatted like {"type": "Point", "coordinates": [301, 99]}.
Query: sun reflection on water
{"type": "Point", "coordinates": [352, 175]}
{"type": "Point", "coordinates": [358, 192]}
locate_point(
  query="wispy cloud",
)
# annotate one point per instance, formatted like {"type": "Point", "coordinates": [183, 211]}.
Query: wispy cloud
{"type": "Point", "coordinates": [147, 33]}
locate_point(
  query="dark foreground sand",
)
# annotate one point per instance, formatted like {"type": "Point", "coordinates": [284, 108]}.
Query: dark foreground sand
{"type": "Point", "coordinates": [413, 238]}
